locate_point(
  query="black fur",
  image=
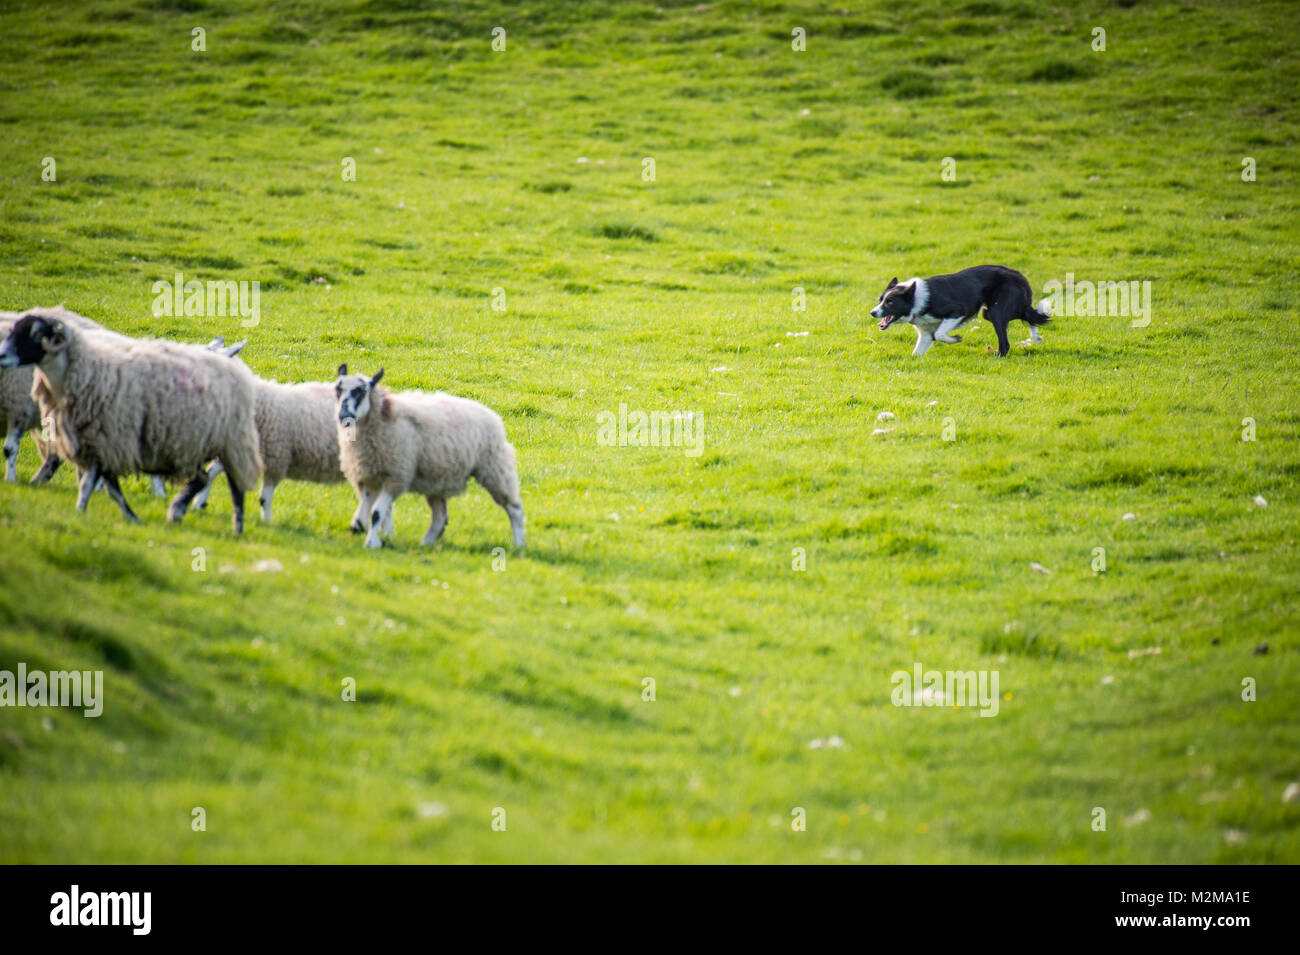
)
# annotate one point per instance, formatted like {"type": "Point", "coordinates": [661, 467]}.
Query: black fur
{"type": "Point", "coordinates": [26, 338]}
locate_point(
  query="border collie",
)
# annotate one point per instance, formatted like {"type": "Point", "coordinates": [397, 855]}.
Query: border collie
{"type": "Point", "coordinates": [940, 305]}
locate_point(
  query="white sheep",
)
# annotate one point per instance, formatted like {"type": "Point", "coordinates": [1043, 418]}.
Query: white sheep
{"type": "Point", "coordinates": [298, 436]}
{"type": "Point", "coordinates": [19, 412]}
{"type": "Point", "coordinates": [429, 444]}
{"type": "Point", "coordinates": [25, 410]}
{"type": "Point", "coordinates": [121, 406]}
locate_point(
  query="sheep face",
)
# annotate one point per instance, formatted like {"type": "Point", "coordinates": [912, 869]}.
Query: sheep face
{"type": "Point", "coordinates": [32, 339]}
{"type": "Point", "coordinates": [352, 395]}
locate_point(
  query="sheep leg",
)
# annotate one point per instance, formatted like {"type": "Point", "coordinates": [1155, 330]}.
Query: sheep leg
{"type": "Point", "coordinates": [383, 504]}
{"type": "Point", "coordinates": [159, 486]}
{"type": "Point", "coordinates": [50, 465]}
{"type": "Point", "coordinates": [11, 452]}
{"type": "Point", "coordinates": [361, 516]}
{"type": "Point", "coordinates": [515, 512]}
{"type": "Point", "coordinates": [439, 522]}
{"type": "Point", "coordinates": [237, 499]}
{"type": "Point", "coordinates": [201, 499]}
{"type": "Point", "coordinates": [268, 493]}
{"type": "Point", "coordinates": [499, 479]}
{"type": "Point", "coordinates": [89, 478]}
{"type": "Point", "coordinates": [115, 492]}
{"type": "Point", "coordinates": [387, 529]}
{"type": "Point", "coordinates": [181, 502]}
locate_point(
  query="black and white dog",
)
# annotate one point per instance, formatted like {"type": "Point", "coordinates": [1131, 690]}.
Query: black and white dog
{"type": "Point", "coordinates": [940, 305]}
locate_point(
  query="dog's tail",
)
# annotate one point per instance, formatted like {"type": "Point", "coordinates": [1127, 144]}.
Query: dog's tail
{"type": "Point", "coordinates": [1040, 314]}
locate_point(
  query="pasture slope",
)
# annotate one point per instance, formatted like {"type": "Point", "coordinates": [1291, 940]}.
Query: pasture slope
{"type": "Point", "coordinates": [522, 688]}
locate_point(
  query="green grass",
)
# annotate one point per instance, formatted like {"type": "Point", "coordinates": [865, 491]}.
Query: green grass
{"type": "Point", "coordinates": [522, 688]}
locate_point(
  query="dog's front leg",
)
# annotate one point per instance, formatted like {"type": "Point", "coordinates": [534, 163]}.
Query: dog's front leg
{"type": "Point", "coordinates": [924, 339]}
{"type": "Point", "coordinates": [945, 327]}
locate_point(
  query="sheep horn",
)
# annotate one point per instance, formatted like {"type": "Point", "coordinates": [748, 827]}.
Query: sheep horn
{"type": "Point", "coordinates": [57, 339]}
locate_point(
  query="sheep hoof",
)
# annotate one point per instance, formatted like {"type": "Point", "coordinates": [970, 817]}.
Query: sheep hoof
{"type": "Point", "coordinates": [358, 528]}
{"type": "Point", "coordinates": [374, 543]}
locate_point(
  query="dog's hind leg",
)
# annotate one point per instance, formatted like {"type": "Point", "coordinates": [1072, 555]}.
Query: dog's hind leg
{"type": "Point", "coordinates": [1000, 314]}
{"type": "Point", "coordinates": [924, 339]}
{"type": "Point", "coordinates": [1004, 343]}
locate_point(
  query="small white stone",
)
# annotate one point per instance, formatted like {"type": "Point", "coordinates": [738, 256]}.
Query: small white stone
{"type": "Point", "coordinates": [1259, 501]}
{"type": "Point", "coordinates": [431, 810]}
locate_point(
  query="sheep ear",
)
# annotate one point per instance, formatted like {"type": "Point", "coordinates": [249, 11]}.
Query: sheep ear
{"type": "Point", "coordinates": [892, 283]}
{"type": "Point", "coordinates": [343, 370]}
{"type": "Point", "coordinates": [56, 339]}
{"type": "Point", "coordinates": [375, 380]}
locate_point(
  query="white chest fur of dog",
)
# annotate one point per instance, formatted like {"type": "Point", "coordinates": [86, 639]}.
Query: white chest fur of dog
{"type": "Point", "coordinates": [930, 329]}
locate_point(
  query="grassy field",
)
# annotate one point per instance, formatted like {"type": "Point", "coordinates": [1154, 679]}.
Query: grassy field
{"type": "Point", "coordinates": [502, 241]}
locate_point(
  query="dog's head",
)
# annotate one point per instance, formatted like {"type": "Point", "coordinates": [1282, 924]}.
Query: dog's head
{"type": "Point", "coordinates": [353, 394]}
{"type": "Point", "coordinates": [896, 302]}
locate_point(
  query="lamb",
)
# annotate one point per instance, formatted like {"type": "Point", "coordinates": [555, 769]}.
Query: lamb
{"type": "Point", "coordinates": [18, 409]}
{"type": "Point", "coordinates": [429, 444]}
{"type": "Point", "coordinates": [121, 406]}
{"type": "Point", "coordinates": [298, 437]}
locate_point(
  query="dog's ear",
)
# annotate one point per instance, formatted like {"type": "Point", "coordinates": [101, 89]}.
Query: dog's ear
{"type": "Point", "coordinates": [892, 283]}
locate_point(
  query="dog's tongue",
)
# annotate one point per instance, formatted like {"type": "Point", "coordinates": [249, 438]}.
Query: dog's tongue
{"type": "Point", "coordinates": [886, 322]}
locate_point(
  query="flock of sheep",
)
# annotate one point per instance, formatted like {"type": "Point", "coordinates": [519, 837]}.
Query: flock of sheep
{"type": "Point", "coordinates": [114, 405]}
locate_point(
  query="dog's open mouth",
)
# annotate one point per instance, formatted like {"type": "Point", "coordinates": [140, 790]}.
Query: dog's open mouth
{"type": "Point", "coordinates": [887, 321]}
